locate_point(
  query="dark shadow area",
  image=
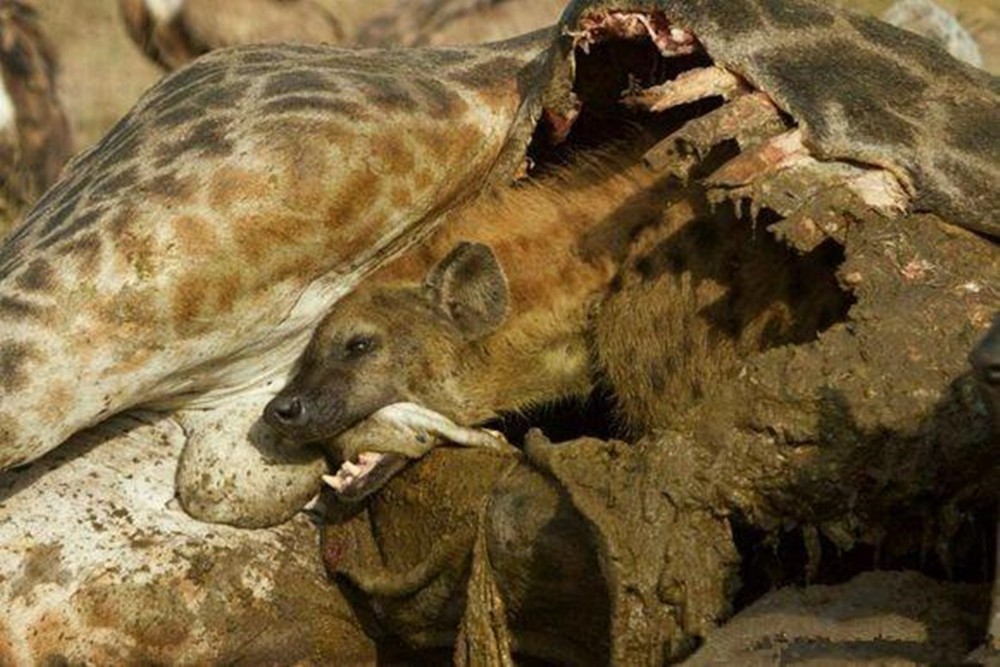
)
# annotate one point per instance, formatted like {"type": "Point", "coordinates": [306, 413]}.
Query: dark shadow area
{"type": "Point", "coordinates": [563, 421]}
{"type": "Point", "coordinates": [542, 556]}
{"type": "Point", "coordinates": [753, 272]}
{"type": "Point", "coordinates": [921, 501]}
{"type": "Point", "coordinates": [604, 75]}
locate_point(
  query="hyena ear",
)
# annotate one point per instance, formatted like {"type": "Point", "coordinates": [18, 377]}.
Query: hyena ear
{"type": "Point", "coordinates": [469, 286]}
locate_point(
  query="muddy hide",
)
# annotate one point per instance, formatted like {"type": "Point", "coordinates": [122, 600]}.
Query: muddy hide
{"type": "Point", "coordinates": [785, 351]}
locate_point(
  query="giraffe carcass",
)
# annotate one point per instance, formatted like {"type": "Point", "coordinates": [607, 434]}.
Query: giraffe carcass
{"type": "Point", "coordinates": [58, 366]}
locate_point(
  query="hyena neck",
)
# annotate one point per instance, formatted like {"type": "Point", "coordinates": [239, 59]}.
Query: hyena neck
{"type": "Point", "coordinates": [514, 371]}
{"type": "Point", "coordinates": [560, 254]}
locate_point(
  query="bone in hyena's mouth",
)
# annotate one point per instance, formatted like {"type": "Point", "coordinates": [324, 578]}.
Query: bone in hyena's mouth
{"type": "Point", "coordinates": [404, 432]}
{"type": "Point", "coordinates": [773, 167]}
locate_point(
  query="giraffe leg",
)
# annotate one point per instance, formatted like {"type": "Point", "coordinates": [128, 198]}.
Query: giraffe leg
{"type": "Point", "coordinates": [233, 470]}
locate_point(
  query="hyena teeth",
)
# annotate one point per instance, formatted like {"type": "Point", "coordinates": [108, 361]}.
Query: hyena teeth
{"type": "Point", "coordinates": [749, 119]}
{"type": "Point", "coordinates": [335, 482]}
{"type": "Point", "coordinates": [351, 468]}
{"type": "Point", "coordinates": [690, 86]}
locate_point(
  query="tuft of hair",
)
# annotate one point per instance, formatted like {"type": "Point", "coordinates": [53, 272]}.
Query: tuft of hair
{"type": "Point", "coordinates": [35, 142]}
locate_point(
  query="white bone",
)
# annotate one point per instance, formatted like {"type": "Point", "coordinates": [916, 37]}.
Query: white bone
{"type": "Point", "coordinates": [164, 10]}
{"type": "Point", "coordinates": [8, 114]}
{"type": "Point", "coordinates": [421, 420]}
{"type": "Point", "coordinates": [689, 86]}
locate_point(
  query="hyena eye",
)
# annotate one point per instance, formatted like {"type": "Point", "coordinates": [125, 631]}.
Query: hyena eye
{"type": "Point", "coordinates": [359, 345]}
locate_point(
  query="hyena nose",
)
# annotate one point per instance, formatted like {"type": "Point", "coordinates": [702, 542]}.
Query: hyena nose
{"type": "Point", "coordinates": [285, 411]}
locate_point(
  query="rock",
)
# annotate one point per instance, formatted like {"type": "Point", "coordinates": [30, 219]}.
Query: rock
{"type": "Point", "coordinates": [877, 618]}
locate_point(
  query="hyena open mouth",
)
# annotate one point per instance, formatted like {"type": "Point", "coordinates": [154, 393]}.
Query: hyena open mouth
{"type": "Point", "coordinates": [356, 479]}
{"type": "Point", "coordinates": [717, 134]}
{"type": "Point", "coordinates": [727, 143]}
{"type": "Point", "coordinates": [404, 431]}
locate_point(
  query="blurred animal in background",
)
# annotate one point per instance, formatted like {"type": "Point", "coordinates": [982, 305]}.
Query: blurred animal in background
{"type": "Point", "coordinates": [35, 139]}
{"type": "Point", "coordinates": [174, 32]}
{"type": "Point", "coordinates": [926, 18]}
{"type": "Point", "coordinates": [441, 22]}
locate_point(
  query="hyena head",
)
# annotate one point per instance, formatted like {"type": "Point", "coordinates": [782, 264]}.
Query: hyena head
{"type": "Point", "coordinates": [385, 344]}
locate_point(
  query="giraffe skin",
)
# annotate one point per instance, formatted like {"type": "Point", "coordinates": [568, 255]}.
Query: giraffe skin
{"type": "Point", "coordinates": [888, 98]}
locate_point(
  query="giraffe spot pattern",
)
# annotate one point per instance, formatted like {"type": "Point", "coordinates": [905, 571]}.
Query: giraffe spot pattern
{"type": "Point", "coordinates": [314, 103]}
{"type": "Point", "coordinates": [38, 277]}
{"type": "Point", "coordinates": [208, 137]}
{"type": "Point", "coordinates": [14, 355]}
{"type": "Point", "coordinates": [84, 220]}
{"type": "Point", "coordinates": [297, 81]}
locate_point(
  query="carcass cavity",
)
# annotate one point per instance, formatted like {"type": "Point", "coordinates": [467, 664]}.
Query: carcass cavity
{"type": "Point", "coordinates": [712, 128]}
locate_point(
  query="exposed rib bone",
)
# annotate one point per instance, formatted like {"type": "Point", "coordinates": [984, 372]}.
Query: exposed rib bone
{"type": "Point", "coordinates": [690, 86]}
{"type": "Point", "coordinates": [874, 186]}
{"type": "Point", "coordinates": [817, 219]}
{"type": "Point", "coordinates": [749, 119]}
{"type": "Point", "coordinates": [881, 190]}
{"type": "Point", "coordinates": [811, 195]}
{"type": "Point", "coordinates": [777, 154]}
